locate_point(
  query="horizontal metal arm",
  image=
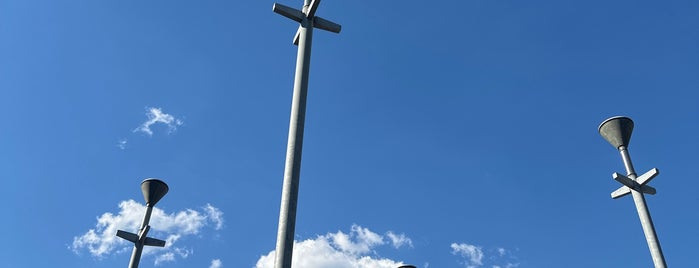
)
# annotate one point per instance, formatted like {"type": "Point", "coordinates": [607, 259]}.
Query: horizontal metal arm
{"type": "Point", "coordinates": [154, 242]}
{"type": "Point", "coordinates": [639, 184]}
{"type": "Point", "coordinates": [622, 191]}
{"type": "Point", "coordinates": [288, 12]}
{"type": "Point", "coordinates": [322, 24]}
{"type": "Point", "coordinates": [128, 236]}
{"type": "Point", "coordinates": [648, 189]}
{"type": "Point", "coordinates": [626, 181]}
{"type": "Point", "coordinates": [646, 177]}
{"type": "Point", "coordinates": [327, 25]}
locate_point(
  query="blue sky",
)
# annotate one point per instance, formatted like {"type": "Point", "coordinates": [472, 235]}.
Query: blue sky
{"type": "Point", "coordinates": [449, 134]}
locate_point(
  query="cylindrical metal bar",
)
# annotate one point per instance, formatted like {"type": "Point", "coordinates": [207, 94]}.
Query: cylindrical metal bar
{"type": "Point", "coordinates": [136, 255]}
{"type": "Point", "coordinates": [292, 169]}
{"type": "Point", "coordinates": [146, 218]}
{"type": "Point", "coordinates": [138, 245]}
{"type": "Point", "coordinates": [643, 214]}
{"type": "Point", "coordinates": [627, 162]}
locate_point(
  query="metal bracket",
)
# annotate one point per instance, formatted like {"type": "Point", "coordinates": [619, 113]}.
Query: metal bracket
{"type": "Point", "coordinates": [639, 184]}
{"type": "Point", "coordinates": [308, 13]}
{"type": "Point", "coordinates": [141, 236]}
{"type": "Point", "coordinates": [288, 12]}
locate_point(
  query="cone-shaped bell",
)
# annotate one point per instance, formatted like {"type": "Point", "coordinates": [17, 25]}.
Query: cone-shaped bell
{"type": "Point", "coordinates": [153, 190]}
{"type": "Point", "coordinates": [617, 130]}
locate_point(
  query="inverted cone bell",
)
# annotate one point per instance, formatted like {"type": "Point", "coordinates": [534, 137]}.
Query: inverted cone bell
{"type": "Point", "coordinates": [617, 131]}
{"type": "Point", "coordinates": [153, 190]}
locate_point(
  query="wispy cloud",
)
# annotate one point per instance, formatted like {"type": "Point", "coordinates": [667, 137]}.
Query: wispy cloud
{"type": "Point", "coordinates": [102, 241]}
{"type": "Point", "coordinates": [156, 115]}
{"type": "Point", "coordinates": [122, 144]}
{"type": "Point", "coordinates": [355, 249]}
{"type": "Point", "coordinates": [216, 263]}
{"type": "Point", "coordinates": [474, 256]}
{"type": "Point", "coordinates": [167, 257]}
{"type": "Point", "coordinates": [171, 255]}
{"type": "Point", "coordinates": [359, 241]}
{"type": "Point", "coordinates": [399, 240]}
{"type": "Point", "coordinates": [508, 265]}
{"type": "Point", "coordinates": [501, 251]}
{"type": "Point", "coordinates": [215, 215]}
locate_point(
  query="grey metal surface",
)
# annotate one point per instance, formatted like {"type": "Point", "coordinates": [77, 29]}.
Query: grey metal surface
{"type": "Point", "coordinates": [292, 168]}
{"type": "Point", "coordinates": [617, 130]}
{"type": "Point", "coordinates": [153, 190]}
{"type": "Point", "coordinates": [138, 245]}
{"type": "Point", "coordinates": [643, 214]}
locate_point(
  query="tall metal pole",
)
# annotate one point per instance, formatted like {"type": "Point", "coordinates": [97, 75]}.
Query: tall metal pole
{"type": "Point", "coordinates": [153, 190]}
{"type": "Point", "coordinates": [292, 168]}
{"type": "Point", "coordinates": [617, 131]}
{"type": "Point", "coordinates": [643, 214]}
{"type": "Point", "coordinates": [138, 245]}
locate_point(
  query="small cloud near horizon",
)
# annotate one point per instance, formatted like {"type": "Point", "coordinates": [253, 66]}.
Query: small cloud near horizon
{"type": "Point", "coordinates": [216, 263]}
{"type": "Point", "coordinates": [474, 256]}
{"type": "Point", "coordinates": [356, 249]}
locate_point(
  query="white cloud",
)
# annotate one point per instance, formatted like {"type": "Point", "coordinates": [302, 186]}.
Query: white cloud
{"type": "Point", "coordinates": [508, 265]}
{"type": "Point", "coordinates": [337, 250]}
{"type": "Point", "coordinates": [122, 144]}
{"type": "Point", "coordinates": [501, 251]}
{"type": "Point", "coordinates": [170, 256]}
{"type": "Point", "coordinates": [156, 115]}
{"type": "Point", "coordinates": [358, 241]}
{"type": "Point", "coordinates": [167, 257]}
{"type": "Point", "coordinates": [215, 215]}
{"type": "Point", "coordinates": [474, 256]}
{"type": "Point", "coordinates": [399, 240]}
{"type": "Point", "coordinates": [102, 241]}
{"type": "Point", "coordinates": [216, 263]}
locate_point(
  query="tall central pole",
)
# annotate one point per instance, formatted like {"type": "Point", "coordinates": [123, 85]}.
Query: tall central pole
{"type": "Point", "coordinates": [153, 190]}
{"type": "Point", "coordinates": [138, 246]}
{"type": "Point", "coordinates": [292, 168]}
{"type": "Point", "coordinates": [639, 200]}
{"type": "Point", "coordinates": [617, 131]}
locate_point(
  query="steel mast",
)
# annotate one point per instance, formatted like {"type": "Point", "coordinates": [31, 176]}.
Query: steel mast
{"type": "Point", "coordinates": [287, 212]}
